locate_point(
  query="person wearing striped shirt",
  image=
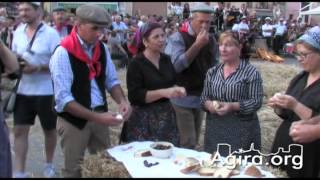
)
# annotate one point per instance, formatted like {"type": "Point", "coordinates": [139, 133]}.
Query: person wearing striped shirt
{"type": "Point", "coordinates": [231, 97]}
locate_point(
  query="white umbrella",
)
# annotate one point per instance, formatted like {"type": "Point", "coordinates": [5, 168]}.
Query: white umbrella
{"type": "Point", "coordinates": [315, 11]}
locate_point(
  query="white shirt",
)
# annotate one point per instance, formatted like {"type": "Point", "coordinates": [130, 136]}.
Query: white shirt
{"type": "Point", "coordinates": [46, 40]}
{"type": "Point", "coordinates": [280, 29]}
{"type": "Point", "coordinates": [267, 27]}
{"type": "Point", "coordinates": [240, 27]}
{"type": "Point", "coordinates": [140, 23]}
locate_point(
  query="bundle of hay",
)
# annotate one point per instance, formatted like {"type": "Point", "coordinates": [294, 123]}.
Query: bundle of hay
{"type": "Point", "coordinates": [276, 77]}
{"type": "Point", "coordinates": [103, 166]}
{"type": "Point", "coordinates": [276, 172]}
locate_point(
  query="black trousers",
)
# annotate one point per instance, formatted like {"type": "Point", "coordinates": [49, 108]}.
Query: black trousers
{"type": "Point", "coordinates": [277, 44]}
{"type": "Point", "coordinates": [269, 42]}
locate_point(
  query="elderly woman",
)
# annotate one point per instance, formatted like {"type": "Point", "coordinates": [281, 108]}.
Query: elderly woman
{"type": "Point", "coordinates": [301, 101]}
{"type": "Point", "coordinates": [151, 83]}
{"type": "Point", "coordinates": [232, 95]}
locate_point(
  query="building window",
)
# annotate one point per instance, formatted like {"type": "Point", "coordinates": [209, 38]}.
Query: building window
{"type": "Point", "coordinates": [263, 5]}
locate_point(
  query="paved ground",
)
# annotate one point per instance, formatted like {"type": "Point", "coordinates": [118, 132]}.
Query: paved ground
{"type": "Point", "coordinates": [36, 155]}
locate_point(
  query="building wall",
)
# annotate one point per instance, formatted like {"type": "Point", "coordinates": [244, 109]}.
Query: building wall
{"type": "Point", "coordinates": [149, 8]}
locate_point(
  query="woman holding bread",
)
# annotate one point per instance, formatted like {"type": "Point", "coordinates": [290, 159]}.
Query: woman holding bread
{"type": "Point", "coordinates": [298, 105]}
{"type": "Point", "coordinates": [150, 83]}
{"type": "Point", "coordinates": [232, 95]}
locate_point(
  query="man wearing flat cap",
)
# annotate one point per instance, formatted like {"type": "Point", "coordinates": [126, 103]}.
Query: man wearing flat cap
{"type": "Point", "coordinates": [267, 31]}
{"type": "Point", "coordinates": [34, 42]}
{"type": "Point", "coordinates": [193, 51]}
{"type": "Point", "coordinates": [82, 71]}
{"type": "Point", "coordinates": [59, 22]}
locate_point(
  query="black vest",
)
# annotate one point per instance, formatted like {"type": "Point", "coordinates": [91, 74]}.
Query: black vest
{"type": "Point", "coordinates": [192, 78]}
{"type": "Point", "coordinates": [81, 87]}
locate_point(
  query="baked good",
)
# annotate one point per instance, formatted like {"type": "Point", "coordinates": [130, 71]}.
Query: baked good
{"type": "Point", "coordinates": [206, 171]}
{"type": "Point", "coordinates": [119, 117]}
{"type": "Point", "coordinates": [142, 153]}
{"type": "Point", "coordinates": [253, 171]}
{"type": "Point", "coordinates": [222, 172]}
{"type": "Point", "coordinates": [216, 104]}
{"type": "Point", "coordinates": [191, 165]}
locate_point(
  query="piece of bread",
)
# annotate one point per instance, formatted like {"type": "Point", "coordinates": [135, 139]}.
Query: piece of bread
{"type": "Point", "coordinates": [222, 172]}
{"type": "Point", "coordinates": [253, 171]}
{"type": "Point", "coordinates": [216, 104]}
{"type": "Point", "coordinates": [142, 153]}
{"type": "Point", "coordinates": [191, 165]}
{"type": "Point", "coordinates": [206, 171]}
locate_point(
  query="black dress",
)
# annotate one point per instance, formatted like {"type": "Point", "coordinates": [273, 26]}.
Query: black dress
{"type": "Point", "coordinates": [154, 121]}
{"type": "Point", "coordinates": [310, 97]}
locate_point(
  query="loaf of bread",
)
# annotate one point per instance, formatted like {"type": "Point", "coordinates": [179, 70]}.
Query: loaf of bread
{"type": "Point", "coordinates": [191, 165]}
{"type": "Point", "coordinates": [222, 172]}
{"type": "Point", "coordinates": [206, 171]}
{"type": "Point", "coordinates": [253, 171]}
{"type": "Point", "coordinates": [142, 153]}
{"type": "Point", "coordinates": [216, 104]}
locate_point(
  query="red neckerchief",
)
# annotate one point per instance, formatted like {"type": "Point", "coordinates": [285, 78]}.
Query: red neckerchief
{"type": "Point", "coordinates": [184, 27]}
{"type": "Point", "coordinates": [73, 46]}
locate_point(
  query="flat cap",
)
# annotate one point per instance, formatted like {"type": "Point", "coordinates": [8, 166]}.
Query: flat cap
{"type": "Point", "coordinates": [93, 14]}
{"type": "Point", "coordinates": [202, 7]}
{"type": "Point", "coordinates": [36, 3]}
{"type": "Point", "coordinates": [243, 17]}
{"type": "Point", "coordinates": [267, 18]}
{"type": "Point", "coordinates": [58, 9]}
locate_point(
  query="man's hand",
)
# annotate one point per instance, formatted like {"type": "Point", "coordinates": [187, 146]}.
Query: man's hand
{"type": "Point", "coordinates": [107, 118]}
{"type": "Point", "coordinates": [28, 68]}
{"type": "Point", "coordinates": [202, 38]}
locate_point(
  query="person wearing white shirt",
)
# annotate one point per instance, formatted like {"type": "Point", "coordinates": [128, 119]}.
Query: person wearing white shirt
{"type": "Point", "coordinates": [35, 90]}
{"type": "Point", "coordinates": [279, 36]}
{"type": "Point", "coordinates": [120, 27]}
{"type": "Point", "coordinates": [142, 21]}
{"type": "Point", "coordinates": [242, 27]}
{"type": "Point", "coordinates": [267, 30]}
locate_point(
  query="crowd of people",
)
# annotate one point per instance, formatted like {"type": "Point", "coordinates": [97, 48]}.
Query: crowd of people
{"type": "Point", "coordinates": [178, 70]}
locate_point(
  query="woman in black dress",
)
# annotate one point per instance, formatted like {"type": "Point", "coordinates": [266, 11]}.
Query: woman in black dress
{"type": "Point", "coordinates": [301, 102]}
{"type": "Point", "coordinates": [151, 83]}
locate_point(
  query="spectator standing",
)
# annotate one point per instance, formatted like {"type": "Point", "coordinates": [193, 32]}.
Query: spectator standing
{"type": "Point", "coordinates": [35, 91]}
{"type": "Point", "coordinates": [120, 28]}
{"type": "Point", "coordinates": [192, 53]}
{"type": "Point", "coordinates": [60, 22]}
{"type": "Point", "coordinates": [186, 11]}
{"type": "Point", "coordinates": [278, 42]}
{"type": "Point", "coordinates": [267, 32]}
